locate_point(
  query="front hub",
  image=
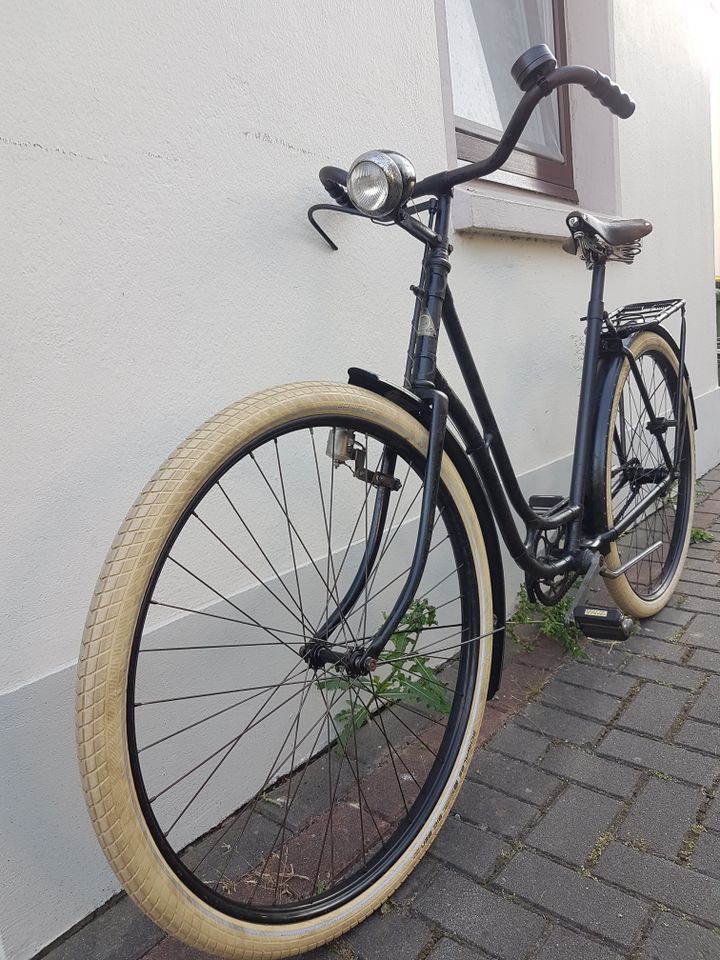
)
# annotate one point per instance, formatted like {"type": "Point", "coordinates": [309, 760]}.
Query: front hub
{"type": "Point", "coordinates": [355, 663]}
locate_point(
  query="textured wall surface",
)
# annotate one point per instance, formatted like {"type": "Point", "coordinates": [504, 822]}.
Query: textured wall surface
{"type": "Point", "coordinates": [156, 165]}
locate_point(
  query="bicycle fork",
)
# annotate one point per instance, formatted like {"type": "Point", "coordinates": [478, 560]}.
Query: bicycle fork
{"type": "Point", "coordinates": [421, 372]}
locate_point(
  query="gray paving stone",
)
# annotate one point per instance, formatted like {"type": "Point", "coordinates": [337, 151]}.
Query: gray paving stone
{"type": "Point", "coordinates": [322, 953]}
{"type": "Point", "coordinates": [608, 775]}
{"type": "Point", "coordinates": [703, 566]}
{"type": "Point", "coordinates": [312, 795]}
{"type": "Point", "coordinates": [706, 854]}
{"type": "Point", "coordinates": [698, 577]}
{"type": "Point", "coordinates": [648, 646]}
{"type": "Point", "coordinates": [692, 588]}
{"type": "Point", "coordinates": [704, 549]}
{"type": "Point", "coordinates": [658, 630]}
{"type": "Point", "coordinates": [172, 949]}
{"type": "Point", "coordinates": [712, 815]}
{"type": "Point", "coordinates": [388, 936]}
{"type": "Point", "coordinates": [564, 944]}
{"type": "Point", "coordinates": [515, 741]}
{"type": "Point", "coordinates": [493, 810]}
{"type": "Point", "coordinates": [122, 932]}
{"type": "Point", "coordinates": [609, 657]}
{"type": "Point", "coordinates": [446, 949]}
{"type": "Point", "coordinates": [571, 827]}
{"type": "Point", "coordinates": [468, 847]}
{"type": "Point", "coordinates": [707, 706]}
{"type": "Point", "coordinates": [474, 913]}
{"type": "Point", "coordinates": [661, 815]}
{"type": "Point", "coordinates": [653, 709]}
{"type": "Point", "coordinates": [668, 883]}
{"type": "Point", "coordinates": [678, 617]}
{"type": "Point", "coordinates": [669, 759]}
{"type": "Point", "coordinates": [513, 777]}
{"type": "Point", "coordinates": [663, 672]}
{"type": "Point", "coordinates": [583, 901]}
{"type": "Point", "coordinates": [562, 726]}
{"type": "Point", "coordinates": [701, 736]}
{"type": "Point", "coordinates": [673, 938]}
{"type": "Point", "coordinates": [585, 675]}
{"type": "Point", "coordinates": [589, 703]}
{"type": "Point", "coordinates": [700, 605]}
{"type": "Point", "coordinates": [705, 660]}
{"type": "Point", "coordinates": [420, 878]}
{"type": "Point", "coordinates": [233, 849]}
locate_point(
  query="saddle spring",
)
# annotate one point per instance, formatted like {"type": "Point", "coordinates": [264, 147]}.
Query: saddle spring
{"type": "Point", "coordinates": [591, 247]}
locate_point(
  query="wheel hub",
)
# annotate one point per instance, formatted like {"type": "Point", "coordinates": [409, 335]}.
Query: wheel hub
{"type": "Point", "coordinates": [355, 663]}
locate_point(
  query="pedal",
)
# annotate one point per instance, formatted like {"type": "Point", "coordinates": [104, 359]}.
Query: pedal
{"type": "Point", "coordinates": [545, 504]}
{"type": "Point", "coordinates": [603, 623]}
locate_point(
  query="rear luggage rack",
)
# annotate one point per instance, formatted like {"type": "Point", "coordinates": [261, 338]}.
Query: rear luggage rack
{"type": "Point", "coordinates": [636, 316]}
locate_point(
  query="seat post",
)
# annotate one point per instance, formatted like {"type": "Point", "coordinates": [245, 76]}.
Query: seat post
{"type": "Point", "coordinates": [593, 330]}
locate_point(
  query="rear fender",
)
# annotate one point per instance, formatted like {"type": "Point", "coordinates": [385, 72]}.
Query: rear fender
{"type": "Point", "coordinates": [454, 449]}
{"type": "Point", "coordinates": [608, 370]}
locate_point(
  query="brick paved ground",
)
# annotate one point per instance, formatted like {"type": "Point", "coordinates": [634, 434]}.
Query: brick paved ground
{"type": "Point", "coordinates": [589, 827]}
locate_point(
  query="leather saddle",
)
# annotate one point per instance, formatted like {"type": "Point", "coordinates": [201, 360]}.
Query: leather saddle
{"type": "Point", "coordinates": [614, 233]}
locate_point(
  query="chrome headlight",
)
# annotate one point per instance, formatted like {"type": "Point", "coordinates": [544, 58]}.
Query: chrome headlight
{"type": "Point", "coordinates": [379, 182]}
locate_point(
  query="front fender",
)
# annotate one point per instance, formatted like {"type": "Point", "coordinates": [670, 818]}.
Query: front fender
{"type": "Point", "coordinates": [454, 449]}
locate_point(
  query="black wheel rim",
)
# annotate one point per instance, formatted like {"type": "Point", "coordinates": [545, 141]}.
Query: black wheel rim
{"type": "Point", "coordinates": [638, 464]}
{"type": "Point", "coordinates": [458, 649]}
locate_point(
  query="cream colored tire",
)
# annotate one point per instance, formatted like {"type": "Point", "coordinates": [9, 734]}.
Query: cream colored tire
{"type": "Point", "coordinates": [103, 674]}
{"type": "Point", "coordinates": [621, 589]}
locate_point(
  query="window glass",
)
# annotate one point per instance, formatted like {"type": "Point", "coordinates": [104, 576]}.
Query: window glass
{"type": "Point", "coordinates": [485, 38]}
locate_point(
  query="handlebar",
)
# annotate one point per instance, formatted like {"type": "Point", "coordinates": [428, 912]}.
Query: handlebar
{"type": "Point", "coordinates": [597, 85]}
{"type": "Point", "coordinates": [542, 83]}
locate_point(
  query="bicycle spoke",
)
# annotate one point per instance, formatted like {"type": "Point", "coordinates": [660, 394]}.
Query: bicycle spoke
{"type": "Point", "coordinates": [217, 616]}
{"type": "Point", "coordinates": [249, 569]}
{"type": "Point", "coordinates": [239, 609]}
{"type": "Point", "coordinates": [298, 603]}
{"type": "Point", "coordinates": [222, 760]}
{"type": "Point", "coordinates": [232, 740]}
{"type": "Point", "coordinates": [294, 530]}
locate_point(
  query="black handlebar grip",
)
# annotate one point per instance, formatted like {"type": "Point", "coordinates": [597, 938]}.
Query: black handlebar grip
{"type": "Point", "coordinates": [334, 180]}
{"type": "Point", "coordinates": [612, 96]}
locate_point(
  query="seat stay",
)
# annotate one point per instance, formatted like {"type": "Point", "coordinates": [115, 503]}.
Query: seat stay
{"type": "Point", "coordinates": [647, 403]}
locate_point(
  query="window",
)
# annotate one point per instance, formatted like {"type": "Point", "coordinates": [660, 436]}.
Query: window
{"type": "Point", "coordinates": [485, 37]}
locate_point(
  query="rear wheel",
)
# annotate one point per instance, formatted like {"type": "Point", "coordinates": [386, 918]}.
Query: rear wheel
{"type": "Point", "coordinates": [252, 804]}
{"type": "Point", "coordinates": [639, 455]}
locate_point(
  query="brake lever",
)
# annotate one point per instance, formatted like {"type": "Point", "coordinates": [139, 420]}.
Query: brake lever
{"type": "Point", "coordinates": [332, 207]}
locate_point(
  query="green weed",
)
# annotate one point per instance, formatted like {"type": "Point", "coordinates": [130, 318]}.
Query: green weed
{"type": "Point", "coordinates": [409, 680]}
{"type": "Point", "coordinates": [550, 621]}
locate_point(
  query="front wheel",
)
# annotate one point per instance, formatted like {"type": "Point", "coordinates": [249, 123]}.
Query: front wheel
{"type": "Point", "coordinates": [639, 454]}
{"type": "Point", "coordinates": [252, 802]}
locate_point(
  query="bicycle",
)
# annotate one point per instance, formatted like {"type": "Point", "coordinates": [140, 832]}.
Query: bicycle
{"type": "Point", "coordinates": [296, 630]}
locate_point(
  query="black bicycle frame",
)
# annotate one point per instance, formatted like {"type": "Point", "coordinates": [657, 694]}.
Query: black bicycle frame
{"type": "Point", "coordinates": [435, 310]}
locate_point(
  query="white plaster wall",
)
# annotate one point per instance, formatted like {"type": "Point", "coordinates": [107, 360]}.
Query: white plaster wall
{"type": "Point", "coordinates": [156, 163]}
{"type": "Point", "coordinates": [715, 130]}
